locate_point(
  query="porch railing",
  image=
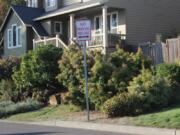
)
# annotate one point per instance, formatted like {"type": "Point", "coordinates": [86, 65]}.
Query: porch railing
{"type": "Point", "coordinates": [113, 40]}
{"type": "Point", "coordinates": [48, 40]}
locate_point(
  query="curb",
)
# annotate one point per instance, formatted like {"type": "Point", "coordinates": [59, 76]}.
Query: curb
{"type": "Point", "coordinates": [105, 127]}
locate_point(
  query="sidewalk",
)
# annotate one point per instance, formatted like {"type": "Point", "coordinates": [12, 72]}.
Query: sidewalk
{"type": "Point", "coordinates": [106, 127]}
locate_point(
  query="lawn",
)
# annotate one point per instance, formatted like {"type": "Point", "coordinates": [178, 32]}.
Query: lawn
{"type": "Point", "coordinates": [169, 118]}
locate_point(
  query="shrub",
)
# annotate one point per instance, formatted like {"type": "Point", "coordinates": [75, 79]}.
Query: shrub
{"type": "Point", "coordinates": [5, 103]}
{"type": "Point", "coordinates": [145, 93]}
{"type": "Point", "coordinates": [106, 77]}
{"type": "Point", "coordinates": [8, 91]}
{"type": "Point", "coordinates": [72, 74]}
{"type": "Point", "coordinates": [172, 72]}
{"type": "Point", "coordinates": [21, 107]}
{"type": "Point", "coordinates": [7, 65]}
{"type": "Point", "coordinates": [153, 91]}
{"type": "Point", "coordinates": [122, 104]}
{"type": "Point", "coordinates": [111, 76]}
{"type": "Point", "coordinates": [37, 74]}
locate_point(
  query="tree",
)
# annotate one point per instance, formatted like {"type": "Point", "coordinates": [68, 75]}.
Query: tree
{"type": "Point", "coordinates": [36, 77]}
{"type": "Point", "coordinates": [5, 5]}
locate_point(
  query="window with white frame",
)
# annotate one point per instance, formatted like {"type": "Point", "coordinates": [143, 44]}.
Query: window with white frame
{"type": "Point", "coordinates": [98, 24]}
{"type": "Point", "coordinates": [112, 21]}
{"type": "Point", "coordinates": [58, 27]}
{"type": "Point", "coordinates": [50, 3]}
{"type": "Point", "coordinates": [14, 36]}
{"type": "Point", "coordinates": [32, 3]}
{"type": "Point", "coordinates": [9, 38]}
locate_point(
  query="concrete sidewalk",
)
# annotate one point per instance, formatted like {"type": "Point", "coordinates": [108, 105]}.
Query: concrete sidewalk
{"type": "Point", "coordinates": [106, 127]}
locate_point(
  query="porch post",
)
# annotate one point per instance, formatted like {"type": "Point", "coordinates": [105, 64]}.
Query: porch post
{"type": "Point", "coordinates": [105, 29]}
{"type": "Point", "coordinates": [71, 28]}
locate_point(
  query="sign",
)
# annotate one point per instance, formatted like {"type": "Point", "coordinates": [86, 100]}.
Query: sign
{"type": "Point", "coordinates": [83, 33]}
{"type": "Point", "coordinates": [83, 30]}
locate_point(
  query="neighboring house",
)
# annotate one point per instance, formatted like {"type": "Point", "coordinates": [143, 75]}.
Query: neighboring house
{"type": "Point", "coordinates": [53, 21]}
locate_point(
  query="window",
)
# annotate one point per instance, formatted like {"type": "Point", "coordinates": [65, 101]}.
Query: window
{"type": "Point", "coordinates": [18, 33]}
{"type": "Point", "coordinates": [9, 38]}
{"type": "Point", "coordinates": [109, 22]}
{"type": "Point", "coordinates": [58, 27]}
{"type": "Point", "coordinates": [32, 3]}
{"type": "Point", "coordinates": [114, 20]}
{"type": "Point", "coordinates": [14, 37]}
{"type": "Point", "coordinates": [98, 23]}
{"type": "Point", "coordinates": [50, 3]}
{"type": "Point", "coordinates": [14, 28]}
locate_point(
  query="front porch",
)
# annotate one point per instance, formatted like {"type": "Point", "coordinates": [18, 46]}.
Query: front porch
{"type": "Point", "coordinates": [108, 29]}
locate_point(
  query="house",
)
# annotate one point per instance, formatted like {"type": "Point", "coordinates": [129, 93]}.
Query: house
{"type": "Point", "coordinates": [113, 21]}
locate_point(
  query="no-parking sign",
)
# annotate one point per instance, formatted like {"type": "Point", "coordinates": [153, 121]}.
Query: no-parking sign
{"type": "Point", "coordinates": [83, 30]}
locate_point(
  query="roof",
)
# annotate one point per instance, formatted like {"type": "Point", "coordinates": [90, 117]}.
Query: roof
{"type": "Point", "coordinates": [26, 15]}
{"type": "Point", "coordinates": [72, 8]}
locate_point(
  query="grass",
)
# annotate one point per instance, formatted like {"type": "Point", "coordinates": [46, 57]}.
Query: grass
{"type": "Point", "coordinates": [47, 113]}
{"type": "Point", "coordinates": [169, 118]}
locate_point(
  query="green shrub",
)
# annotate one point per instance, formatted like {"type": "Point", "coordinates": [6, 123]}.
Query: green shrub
{"type": "Point", "coordinates": [112, 76]}
{"type": "Point", "coordinates": [36, 77]}
{"type": "Point", "coordinates": [8, 91]}
{"type": "Point", "coordinates": [153, 91]}
{"type": "Point", "coordinates": [21, 107]}
{"type": "Point", "coordinates": [72, 75]}
{"type": "Point", "coordinates": [7, 65]}
{"type": "Point", "coordinates": [5, 103]}
{"type": "Point", "coordinates": [122, 104]}
{"type": "Point", "coordinates": [106, 77]}
{"type": "Point", "coordinates": [172, 72]}
{"type": "Point", "coordinates": [145, 93]}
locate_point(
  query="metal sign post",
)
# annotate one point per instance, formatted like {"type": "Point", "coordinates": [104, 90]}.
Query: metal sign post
{"type": "Point", "coordinates": [83, 30]}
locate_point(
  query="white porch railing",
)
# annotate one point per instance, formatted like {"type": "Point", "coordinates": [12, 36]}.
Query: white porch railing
{"type": "Point", "coordinates": [47, 40]}
{"type": "Point", "coordinates": [97, 40]}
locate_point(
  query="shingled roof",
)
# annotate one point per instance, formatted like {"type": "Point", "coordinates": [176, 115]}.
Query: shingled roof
{"type": "Point", "coordinates": [27, 15]}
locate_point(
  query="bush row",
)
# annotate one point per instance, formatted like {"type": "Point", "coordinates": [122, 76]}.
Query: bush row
{"type": "Point", "coordinates": [10, 108]}
{"type": "Point", "coordinates": [121, 84]}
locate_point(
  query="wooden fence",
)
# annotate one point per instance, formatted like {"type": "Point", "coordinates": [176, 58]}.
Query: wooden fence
{"type": "Point", "coordinates": [168, 52]}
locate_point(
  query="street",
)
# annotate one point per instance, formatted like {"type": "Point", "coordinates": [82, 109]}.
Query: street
{"type": "Point", "coordinates": [22, 129]}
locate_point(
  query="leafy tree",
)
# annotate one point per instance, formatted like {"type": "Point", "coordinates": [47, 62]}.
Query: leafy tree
{"type": "Point", "coordinates": [5, 5]}
{"type": "Point", "coordinates": [36, 77]}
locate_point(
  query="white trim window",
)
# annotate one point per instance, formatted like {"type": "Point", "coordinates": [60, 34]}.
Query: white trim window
{"type": "Point", "coordinates": [19, 36]}
{"type": "Point", "coordinates": [9, 38]}
{"type": "Point", "coordinates": [58, 27]}
{"type": "Point", "coordinates": [14, 37]}
{"type": "Point", "coordinates": [50, 3]}
{"type": "Point", "coordinates": [32, 3]}
{"type": "Point", "coordinates": [114, 20]}
{"type": "Point", "coordinates": [98, 24]}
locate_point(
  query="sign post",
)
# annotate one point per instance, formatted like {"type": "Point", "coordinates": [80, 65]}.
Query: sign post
{"type": "Point", "coordinates": [83, 32]}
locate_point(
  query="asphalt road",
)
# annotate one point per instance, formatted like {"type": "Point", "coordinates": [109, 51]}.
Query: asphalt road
{"type": "Point", "coordinates": [22, 129]}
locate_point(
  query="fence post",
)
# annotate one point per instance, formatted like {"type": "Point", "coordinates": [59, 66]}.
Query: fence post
{"type": "Point", "coordinates": [57, 42]}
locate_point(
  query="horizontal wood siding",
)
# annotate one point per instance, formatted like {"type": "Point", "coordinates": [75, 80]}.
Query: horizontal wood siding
{"type": "Point", "coordinates": [146, 18]}
{"type": "Point", "coordinates": [69, 2]}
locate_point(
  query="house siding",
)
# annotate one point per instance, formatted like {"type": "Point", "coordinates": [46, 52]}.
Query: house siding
{"type": "Point", "coordinates": [15, 51]}
{"type": "Point", "coordinates": [58, 4]}
{"type": "Point", "coordinates": [144, 19]}
{"type": "Point", "coordinates": [69, 2]}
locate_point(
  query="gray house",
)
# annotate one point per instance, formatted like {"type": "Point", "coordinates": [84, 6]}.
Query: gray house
{"type": "Point", "coordinates": [53, 21]}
